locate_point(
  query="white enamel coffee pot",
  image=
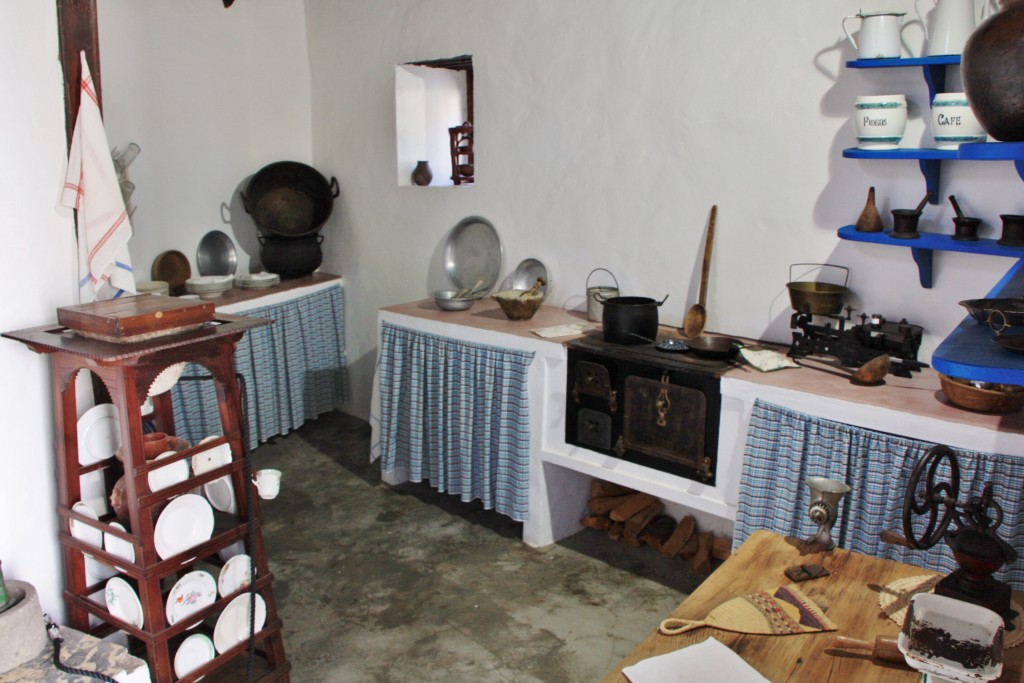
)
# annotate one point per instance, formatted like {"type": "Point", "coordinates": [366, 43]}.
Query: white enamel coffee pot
{"type": "Point", "coordinates": [879, 34]}
{"type": "Point", "coordinates": [952, 23]}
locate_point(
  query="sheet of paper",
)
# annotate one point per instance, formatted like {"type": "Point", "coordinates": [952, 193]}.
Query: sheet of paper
{"type": "Point", "coordinates": [709, 660]}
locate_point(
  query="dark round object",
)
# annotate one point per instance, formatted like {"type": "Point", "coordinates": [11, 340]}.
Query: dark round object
{"type": "Point", "coordinates": [931, 499]}
{"type": "Point", "coordinates": [715, 348]}
{"type": "Point", "coordinates": [630, 319]}
{"type": "Point", "coordinates": [288, 199]}
{"type": "Point", "coordinates": [1013, 230]}
{"type": "Point", "coordinates": [291, 258]}
{"type": "Point", "coordinates": [992, 67]}
{"type": "Point", "coordinates": [965, 228]}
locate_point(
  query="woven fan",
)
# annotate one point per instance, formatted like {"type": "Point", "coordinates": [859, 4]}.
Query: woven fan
{"type": "Point", "coordinates": [786, 612]}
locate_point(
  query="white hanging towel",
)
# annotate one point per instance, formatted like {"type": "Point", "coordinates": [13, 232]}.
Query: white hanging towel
{"type": "Point", "coordinates": [91, 187]}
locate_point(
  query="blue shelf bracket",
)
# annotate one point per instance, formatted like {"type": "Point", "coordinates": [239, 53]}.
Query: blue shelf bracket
{"type": "Point", "coordinates": [1019, 163]}
{"type": "Point", "coordinates": [923, 259]}
{"type": "Point", "coordinates": [930, 168]}
{"type": "Point", "coordinates": [935, 77]}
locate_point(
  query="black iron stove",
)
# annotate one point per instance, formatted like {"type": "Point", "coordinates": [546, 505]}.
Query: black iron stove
{"type": "Point", "coordinates": [854, 345]}
{"type": "Point", "coordinates": [643, 405]}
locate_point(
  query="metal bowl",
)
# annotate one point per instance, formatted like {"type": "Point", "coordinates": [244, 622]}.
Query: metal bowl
{"type": "Point", "coordinates": [997, 313]}
{"type": "Point", "coordinates": [447, 301]}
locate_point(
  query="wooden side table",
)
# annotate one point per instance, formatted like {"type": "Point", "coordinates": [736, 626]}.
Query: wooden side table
{"type": "Point", "coordinates": [849, 596]}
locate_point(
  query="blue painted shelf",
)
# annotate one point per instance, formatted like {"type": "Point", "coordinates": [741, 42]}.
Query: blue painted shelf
{"type": "Point", "coordinates": [970, 352]}
{"type": "Point", "coordinates": [922, 247]}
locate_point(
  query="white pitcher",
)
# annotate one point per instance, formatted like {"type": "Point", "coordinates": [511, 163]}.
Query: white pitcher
{"type": "Point", "coordinates": [879, 34]}
{"type": "Point", "coordinates": [953, 22]}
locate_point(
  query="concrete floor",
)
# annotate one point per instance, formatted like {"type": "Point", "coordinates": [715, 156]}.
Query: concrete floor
{"type": "Point", "coordinates": [392, 584]}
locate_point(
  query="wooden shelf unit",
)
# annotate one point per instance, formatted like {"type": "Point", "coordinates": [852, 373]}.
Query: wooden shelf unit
{"type": "Point", "coordinates": [127, 371]}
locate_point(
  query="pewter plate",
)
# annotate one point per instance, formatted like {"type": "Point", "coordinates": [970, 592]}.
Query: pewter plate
{"type": "Point", "coordinates": [526, 273]}
{"type": "Point", "coordinates": [472, 254]}
{"type": "Point", "coordinates": [216, 254]}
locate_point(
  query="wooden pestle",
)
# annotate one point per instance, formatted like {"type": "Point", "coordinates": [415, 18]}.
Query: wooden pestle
{"type": "Point", "coordinates": [884, 647]}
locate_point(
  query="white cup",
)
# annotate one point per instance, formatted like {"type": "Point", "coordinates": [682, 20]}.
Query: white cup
{"type": "Point", "coordinates": [953, 122]}
{"type": "Point", "coordinates": [268, 483]}
{"type": "Point", "coordinates": [879, 34]}
{"type": "Point", "coordinates": [880, 121]}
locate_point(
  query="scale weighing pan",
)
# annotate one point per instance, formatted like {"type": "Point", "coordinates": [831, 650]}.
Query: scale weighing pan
{"type": "Point", "coordinates": [472, 255]}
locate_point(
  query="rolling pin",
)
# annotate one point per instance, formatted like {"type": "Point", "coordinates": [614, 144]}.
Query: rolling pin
{"type": "Point", "coordinates": [884, 647]}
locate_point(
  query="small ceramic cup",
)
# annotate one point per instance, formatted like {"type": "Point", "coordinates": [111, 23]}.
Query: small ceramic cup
{"type": "Point", "coordinates": [879, 121]}
{"type": "Point", "coordinates": [953, 122]}
{"type": "Point", "coordinates": [268, 483]}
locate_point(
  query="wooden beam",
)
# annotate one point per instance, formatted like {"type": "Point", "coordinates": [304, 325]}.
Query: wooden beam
{"type": "Point", "coordinates": [77, 30]}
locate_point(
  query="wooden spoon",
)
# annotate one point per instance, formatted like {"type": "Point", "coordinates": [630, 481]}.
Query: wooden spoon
{"type": "Point", "coordinates": [693, 323]}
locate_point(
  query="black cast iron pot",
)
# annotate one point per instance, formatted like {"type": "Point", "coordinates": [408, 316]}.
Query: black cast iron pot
{"type": "Point", "coordinates": [291, 258]}
{"type": "Point", "coordinates": [289, 199]}
{"type": "Point", "coordinates": [630, 319]}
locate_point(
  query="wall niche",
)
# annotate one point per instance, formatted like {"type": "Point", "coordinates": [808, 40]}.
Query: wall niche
{"type": "Point", "coordinates": [432, 97]}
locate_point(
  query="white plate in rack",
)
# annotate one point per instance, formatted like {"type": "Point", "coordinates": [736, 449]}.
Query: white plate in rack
{"type": "Point", "coordinates": [186, 522]}
{"type": "Point", "coordinates": [192, 593]}
{"type": "Point", "coordinates": [123, 602]}
{"type": "Point", "coordinates": [233, 624]}
{"type": "Point", "coordinates": [234, 575]}
{"type": "Point", "coordinates": [211, 458]}
{"type": "Point", "coordinates": [169, 475]}
{"type": "Point", "coordinates": [118, 546]}
{"type": "Point", "coordinates": [221, 495]}
{"type": "Point", "coordinates": [84, 532]}
{"type": "Point", "coordinates": [99, 434]}
{"type": "Point", "coordinates": [193, 652]}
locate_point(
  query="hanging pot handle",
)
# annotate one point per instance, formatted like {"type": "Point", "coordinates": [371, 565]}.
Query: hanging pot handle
{"type": "Point", "coordinates": [587, 285]}
{"type": "Point", "coordinates": [335, 190]}
{"type": "Point", "coordinates": [245, 202]}
{"type": "Point", "coordinates": [663, 300]}
{"type": "Point", "coordinates": [846, 280]}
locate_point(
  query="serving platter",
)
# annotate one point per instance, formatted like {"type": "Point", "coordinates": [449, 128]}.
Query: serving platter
{"type": "Point", "coordinates": [233, 624]}
{"type": "Point", "coordinates": [99, 434]}
{"type": "Point", "coordinates": [216, 254]}
{"type": "Point", "coordinates": [192, 593]}
{"type": "Point", "coordinates": [118, 546]}
{"type": "Point", "coordinates": [84, 532]}
{"type": "Point", "coordinates": [186, 522]}
{"type": "Point", "coordinates": [472, 254]}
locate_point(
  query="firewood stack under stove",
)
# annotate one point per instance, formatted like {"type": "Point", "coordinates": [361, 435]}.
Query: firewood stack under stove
{"type": "Point", "coordinates": [637, 518]}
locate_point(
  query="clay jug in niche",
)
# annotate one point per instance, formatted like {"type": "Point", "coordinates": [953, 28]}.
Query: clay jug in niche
{"type": "Point", "coordinates": [993, 73]}
{"type": "Point", "coordinates": [422, 175]}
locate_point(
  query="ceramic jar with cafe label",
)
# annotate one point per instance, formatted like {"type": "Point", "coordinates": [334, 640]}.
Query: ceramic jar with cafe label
{"type": "Point", "coordinates": [953, 122]}
{"type": "Point", "coordinates": [879, 121]}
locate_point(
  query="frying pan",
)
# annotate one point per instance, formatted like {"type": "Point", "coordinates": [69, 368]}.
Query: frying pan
{"type": "Point", "coordinates": [714, 348]}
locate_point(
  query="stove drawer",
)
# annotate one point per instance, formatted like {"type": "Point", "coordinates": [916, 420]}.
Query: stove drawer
{"type": "Point", "coordinates": [593, 429]}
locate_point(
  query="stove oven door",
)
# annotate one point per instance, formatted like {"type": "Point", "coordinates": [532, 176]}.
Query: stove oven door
{"type": "Point", "coordinates": [664, 420]}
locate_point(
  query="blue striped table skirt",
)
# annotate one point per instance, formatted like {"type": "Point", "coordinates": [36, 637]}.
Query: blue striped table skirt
{"type": "Point", "coordinates": [456, 414]}
{"type": "Point", "coordinates": [294, 370]}
{"type": "Point", "coordinates": [785, 447]}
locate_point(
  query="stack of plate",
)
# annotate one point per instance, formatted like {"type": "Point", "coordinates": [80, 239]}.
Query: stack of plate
{"type": "Point", "coordinates": [257, 280]}
{"type": "Point", "coordinates": [153, 287]}
{"type": "Point", "coordinates": [209, 286]}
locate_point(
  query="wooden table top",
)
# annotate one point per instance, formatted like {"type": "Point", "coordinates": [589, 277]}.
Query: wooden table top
{"type": "Point", "coordinates": [849, 596]}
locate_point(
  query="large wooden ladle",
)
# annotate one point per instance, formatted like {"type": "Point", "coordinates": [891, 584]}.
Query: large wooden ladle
{"type": "Point", "coordinates": [693, 322]}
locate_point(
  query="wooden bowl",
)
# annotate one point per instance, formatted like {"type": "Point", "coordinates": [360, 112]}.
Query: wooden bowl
{"type": "Point", "coordinates": [995, 398]}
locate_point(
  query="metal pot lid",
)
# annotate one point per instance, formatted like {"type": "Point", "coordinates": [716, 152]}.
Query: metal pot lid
{"type": "Point", "coordinates": [216, 254]}
{"type": "Point", "coordinates": [472, 254]}
{"type": "Point", "coordinates": [526, 273]}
